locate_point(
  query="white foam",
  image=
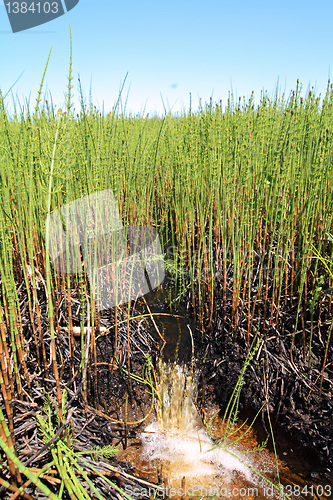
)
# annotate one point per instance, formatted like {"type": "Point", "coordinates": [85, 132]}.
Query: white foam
{"type": "Point", "coordinates": [184, 447]}
{"type": "Point", "coordinates": [195, 452]}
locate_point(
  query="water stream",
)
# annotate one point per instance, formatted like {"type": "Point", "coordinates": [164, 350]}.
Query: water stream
{"type": "Point", "coordinates": [191, 455]}
{"type": "Point", "coordinates": [185, 447]}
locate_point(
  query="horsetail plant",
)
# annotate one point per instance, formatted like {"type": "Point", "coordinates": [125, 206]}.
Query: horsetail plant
{"type": "Point", "coordinates": [241, 196]}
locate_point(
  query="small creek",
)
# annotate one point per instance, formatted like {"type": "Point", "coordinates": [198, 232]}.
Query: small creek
{"type": "Point", "coordinates": [178, 447]}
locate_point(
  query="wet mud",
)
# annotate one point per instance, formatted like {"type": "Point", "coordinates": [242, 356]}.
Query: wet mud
{"type": "Point", "coordinates": [288, 399]}
{"type": "Point", "coordinates": [290, 404]}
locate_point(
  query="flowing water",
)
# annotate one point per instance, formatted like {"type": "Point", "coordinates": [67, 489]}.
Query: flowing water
{"type": "Point", "coordinates": [196, 456]}
{"type": "Point", "coordinates": [192, 462]}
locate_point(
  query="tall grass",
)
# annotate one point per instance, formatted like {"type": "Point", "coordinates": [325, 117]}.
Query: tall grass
{"type": "Point", "coordinates": [240, 193]}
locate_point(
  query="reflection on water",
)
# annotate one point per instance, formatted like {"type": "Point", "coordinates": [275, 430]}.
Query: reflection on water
{"type": "Point", "coordinates": [174, 328]}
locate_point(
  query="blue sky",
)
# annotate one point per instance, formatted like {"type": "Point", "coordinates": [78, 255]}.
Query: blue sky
{"type": "Point", "coordinates": [172, 48]}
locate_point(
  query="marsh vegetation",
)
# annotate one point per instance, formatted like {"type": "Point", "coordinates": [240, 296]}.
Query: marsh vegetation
{"type": "Point", "coordinates": [240, 194]}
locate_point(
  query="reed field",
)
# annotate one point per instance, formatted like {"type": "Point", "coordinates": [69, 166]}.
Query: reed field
{"type": "Point", "coordinates": [240, 194]}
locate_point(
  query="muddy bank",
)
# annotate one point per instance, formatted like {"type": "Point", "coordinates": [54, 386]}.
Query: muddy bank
{"type": "Point", "coordinates": [291, 374]}
{"type": "Point", "coordinates": [298, 399]}
{"type": "Point", "coordinates": [295, 388]}
{"type": "Point", "coordinates": [117, 407]}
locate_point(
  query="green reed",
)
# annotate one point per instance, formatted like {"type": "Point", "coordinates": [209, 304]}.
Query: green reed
{"type": "Point", "coordinates": [217, 182]}
{"type": "Point", "coordinates": [240, 193]}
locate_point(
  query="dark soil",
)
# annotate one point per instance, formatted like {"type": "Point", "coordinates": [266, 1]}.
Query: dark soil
{"type": "Point", "coordinates": [279, 381]}
{"type": "Point", "coordinates": [298, 398]}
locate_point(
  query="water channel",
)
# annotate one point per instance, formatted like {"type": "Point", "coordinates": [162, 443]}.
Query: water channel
{"type": "Point", "coordinates": [197, 454]}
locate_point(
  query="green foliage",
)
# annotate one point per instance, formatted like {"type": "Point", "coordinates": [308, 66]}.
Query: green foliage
{"type": "Point", "coordinates": [72, 468]}
{"type": "Point", "coordinates": [214, 180]}
{"type": "Point", "coordinates": [107, 451]}
{"type": "Point", "coordinates": [222, 186]}
{"type": "Point", "coordinates": [231, 412]}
